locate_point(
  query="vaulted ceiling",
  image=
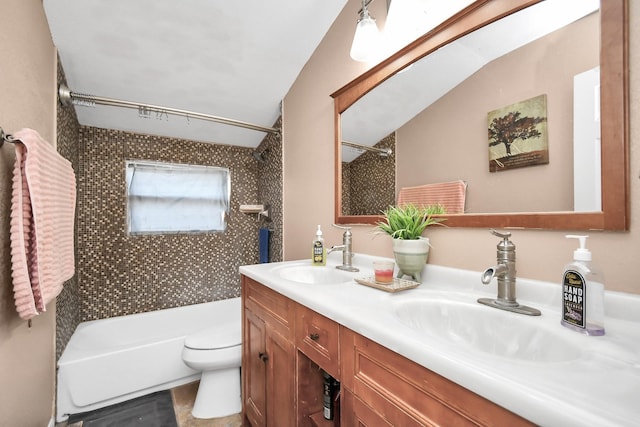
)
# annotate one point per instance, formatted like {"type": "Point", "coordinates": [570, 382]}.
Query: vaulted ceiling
{"type": "Point", "coordinates": [233, 59]}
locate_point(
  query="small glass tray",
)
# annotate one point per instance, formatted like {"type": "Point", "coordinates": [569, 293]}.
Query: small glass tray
{"type": "Point", "coordinates": [395, 286]}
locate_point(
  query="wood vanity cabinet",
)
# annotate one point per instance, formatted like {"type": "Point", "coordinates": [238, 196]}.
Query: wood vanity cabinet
{"type": "Point", "coordinates": [268, 357]}
{"type": "Point", "coordinates": [287, 346]}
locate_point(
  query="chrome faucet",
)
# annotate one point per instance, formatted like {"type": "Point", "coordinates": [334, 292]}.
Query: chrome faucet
{"type": "Point", "coordinates": [505, 271]}
{"type": "Point", "coordinates": [345, 247]}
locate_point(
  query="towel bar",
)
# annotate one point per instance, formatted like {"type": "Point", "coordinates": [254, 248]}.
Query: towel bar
{"type": "Point", "coordinates": [5, 138]}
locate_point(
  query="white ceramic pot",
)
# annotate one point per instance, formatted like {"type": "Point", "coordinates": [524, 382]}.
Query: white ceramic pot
{"type": "Point", "coordinates": [411, 256]}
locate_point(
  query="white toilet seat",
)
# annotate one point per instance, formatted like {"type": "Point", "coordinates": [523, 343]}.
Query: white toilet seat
{"type": "Point", "coordinates": [215, 337]}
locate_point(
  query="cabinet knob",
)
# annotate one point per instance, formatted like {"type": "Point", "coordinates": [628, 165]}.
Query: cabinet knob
{"type": "Point", "coordinates": [314, 336]}
{"type": "Point", "coordinates": [263, 356]}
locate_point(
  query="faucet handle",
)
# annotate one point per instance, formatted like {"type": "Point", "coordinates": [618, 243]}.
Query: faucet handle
{"type": "Point", "coordinates": [501, 235]}
{"type": "Point", "coordinates": [347, 230]}
{"type": "Point", "coordinates": [505, 244]}
{"type": "Point", "coordinates": [343, 227]}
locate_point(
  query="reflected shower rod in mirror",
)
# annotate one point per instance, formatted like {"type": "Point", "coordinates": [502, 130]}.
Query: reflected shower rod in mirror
{"type": "Point", "coordinates": [382, 152]}
{"type": "Point", "coordinates": [67, 97]}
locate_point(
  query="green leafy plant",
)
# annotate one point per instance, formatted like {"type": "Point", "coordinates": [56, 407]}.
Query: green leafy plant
{"type": "Point", "coordinates": [409, 221]}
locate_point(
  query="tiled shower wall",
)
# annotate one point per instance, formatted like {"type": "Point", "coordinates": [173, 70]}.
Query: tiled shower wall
{"type": "Point", "coordinates": [121, 274]}
{"type": "Point", "coordinates": [118, 274]}
{"type": "Point", "coordinates": [270, 189]}
{"type": "Point", "coordinates": [68, 302]}
{"type": "Point", "coordinates": [368, 182]}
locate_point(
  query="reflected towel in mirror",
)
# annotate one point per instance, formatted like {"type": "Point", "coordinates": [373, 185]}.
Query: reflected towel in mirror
{"type": "Point", "coordinates": [451, 195]}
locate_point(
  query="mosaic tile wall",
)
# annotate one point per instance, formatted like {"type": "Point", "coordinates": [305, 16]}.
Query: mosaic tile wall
{"type": "Point", "coordinates": [270, 189]}
{"type": "Point", "coordinates": [368, 182]}
{"type": "Point", "coordinates": [346, 189]}
{"type": "Point", "coordinates": [122, 274]}
{"type": "Point", "coordinates": [67, 303]}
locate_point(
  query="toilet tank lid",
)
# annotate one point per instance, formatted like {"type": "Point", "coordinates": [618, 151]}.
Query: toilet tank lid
{"type": "Point", "coordinates": [220, 336]}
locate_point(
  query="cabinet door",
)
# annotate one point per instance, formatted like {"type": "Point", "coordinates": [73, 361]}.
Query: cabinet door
{"type": "Point", "coordinates": [268, 368]}
{"type": "Point", "coordinates": [254, 370]}
{"type": "Point", "coordinates": [280, 361]}
{"type": "Point", "coordinates": [357, 414]}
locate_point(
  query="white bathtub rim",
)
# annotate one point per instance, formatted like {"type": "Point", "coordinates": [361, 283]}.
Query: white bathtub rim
{"type": "Point", "coordinates": [84, 353]}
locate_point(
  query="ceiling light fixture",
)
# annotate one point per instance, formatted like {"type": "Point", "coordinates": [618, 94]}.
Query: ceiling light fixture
{"type": "Point", "coordinates": [367, 38]}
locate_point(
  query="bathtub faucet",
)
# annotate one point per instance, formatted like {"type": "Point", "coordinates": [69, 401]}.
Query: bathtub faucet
{"type": "Point", "coordinates": [345, 247]}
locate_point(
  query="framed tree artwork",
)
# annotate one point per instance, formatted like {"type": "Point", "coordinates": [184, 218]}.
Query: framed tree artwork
{"type": "Point", "coordinates": [518, 135]}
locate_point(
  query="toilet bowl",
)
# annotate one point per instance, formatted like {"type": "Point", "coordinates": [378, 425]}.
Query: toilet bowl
{"type": "Point", "coordinates": [217, 352]}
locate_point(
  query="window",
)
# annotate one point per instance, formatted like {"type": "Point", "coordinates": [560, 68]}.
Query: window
{"type": "Point", "coordinates": [176, 198]}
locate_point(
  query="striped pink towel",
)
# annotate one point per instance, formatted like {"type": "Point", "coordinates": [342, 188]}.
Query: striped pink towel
{"type": "Point", "coordinates": [42, 218]}
{"type": "Point", "coordinates": [449, 194]}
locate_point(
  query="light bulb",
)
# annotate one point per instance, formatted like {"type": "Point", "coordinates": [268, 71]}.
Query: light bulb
{"type": "Point", "coordinates": [366, 39]}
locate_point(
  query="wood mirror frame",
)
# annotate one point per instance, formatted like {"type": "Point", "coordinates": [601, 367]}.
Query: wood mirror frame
{"type": "Point", "coordinates": [614, 117]}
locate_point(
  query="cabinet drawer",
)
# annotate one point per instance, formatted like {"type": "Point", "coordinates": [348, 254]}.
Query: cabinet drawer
{"type": "Point", "coordinates": [405, 393]}
{"type": "Point", "coordinates": [317, 337]}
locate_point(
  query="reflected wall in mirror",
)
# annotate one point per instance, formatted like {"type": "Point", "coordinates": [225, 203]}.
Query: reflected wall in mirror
{"type": "Point", "coordinates": [440, 121]}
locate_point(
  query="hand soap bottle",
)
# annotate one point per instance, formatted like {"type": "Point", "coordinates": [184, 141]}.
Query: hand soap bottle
{"type": "Point", "coordinates": [582, 293]}
{"type": "Point", "coordinates": [319, 252]}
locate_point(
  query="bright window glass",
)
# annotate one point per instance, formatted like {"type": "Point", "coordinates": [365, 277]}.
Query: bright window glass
{"type": "Point", "coordinates": [174, 198]}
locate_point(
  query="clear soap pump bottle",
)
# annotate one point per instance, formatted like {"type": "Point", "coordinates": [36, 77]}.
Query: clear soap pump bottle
{"type": "Point", "coordinates": [582, 293]}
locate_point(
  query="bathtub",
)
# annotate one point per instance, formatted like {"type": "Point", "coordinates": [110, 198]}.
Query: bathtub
{"type": "Point", "coordinates": [111, 360]}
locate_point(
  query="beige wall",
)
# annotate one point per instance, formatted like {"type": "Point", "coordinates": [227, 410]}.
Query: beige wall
{"type": "Point", "coordinates": [454, 127]}
{"type": "Point", "coordinates": [27, 92]}
{"type": "Point", "coordinates": [309, 184]}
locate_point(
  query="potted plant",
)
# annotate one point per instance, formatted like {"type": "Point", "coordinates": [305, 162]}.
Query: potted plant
{"type": "Point", "coordinates": [405, 224]}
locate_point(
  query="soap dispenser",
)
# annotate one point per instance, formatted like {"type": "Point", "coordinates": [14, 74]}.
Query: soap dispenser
{"type": "Point", "coordinates": [319, 252]}
{"type": "Point", "coordinates": [582, 293]}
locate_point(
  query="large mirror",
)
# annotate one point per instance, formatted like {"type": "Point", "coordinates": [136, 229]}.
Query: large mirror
{"type": "Point", "coordinates": [430, 111]}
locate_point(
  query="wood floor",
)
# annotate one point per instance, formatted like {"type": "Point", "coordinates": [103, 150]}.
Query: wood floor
{"type": "Point", "coordinates": [183, 398]}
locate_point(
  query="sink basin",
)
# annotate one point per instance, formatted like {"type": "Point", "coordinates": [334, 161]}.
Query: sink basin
{"type": "Point", "coordinates": [322, 275]}
{"type": "Point", "coordinates": [488, 330]}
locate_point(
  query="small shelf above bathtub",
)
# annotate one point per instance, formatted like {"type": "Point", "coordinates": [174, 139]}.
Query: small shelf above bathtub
{"type": "Point", "coordinates": [260, 210]}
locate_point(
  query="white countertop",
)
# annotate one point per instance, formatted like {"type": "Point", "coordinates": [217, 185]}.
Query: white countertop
{"type": "Point", "coordinates": [600, 386]}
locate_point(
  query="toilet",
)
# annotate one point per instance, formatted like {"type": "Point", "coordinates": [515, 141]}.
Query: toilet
{"type": "Point", "coordinates": [217, 352]}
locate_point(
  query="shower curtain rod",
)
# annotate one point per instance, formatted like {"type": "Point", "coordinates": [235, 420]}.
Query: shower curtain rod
{"type": "Point", "coordinates": [67, 97]}
{"type": "Point", "coordinates": [383, 152]}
